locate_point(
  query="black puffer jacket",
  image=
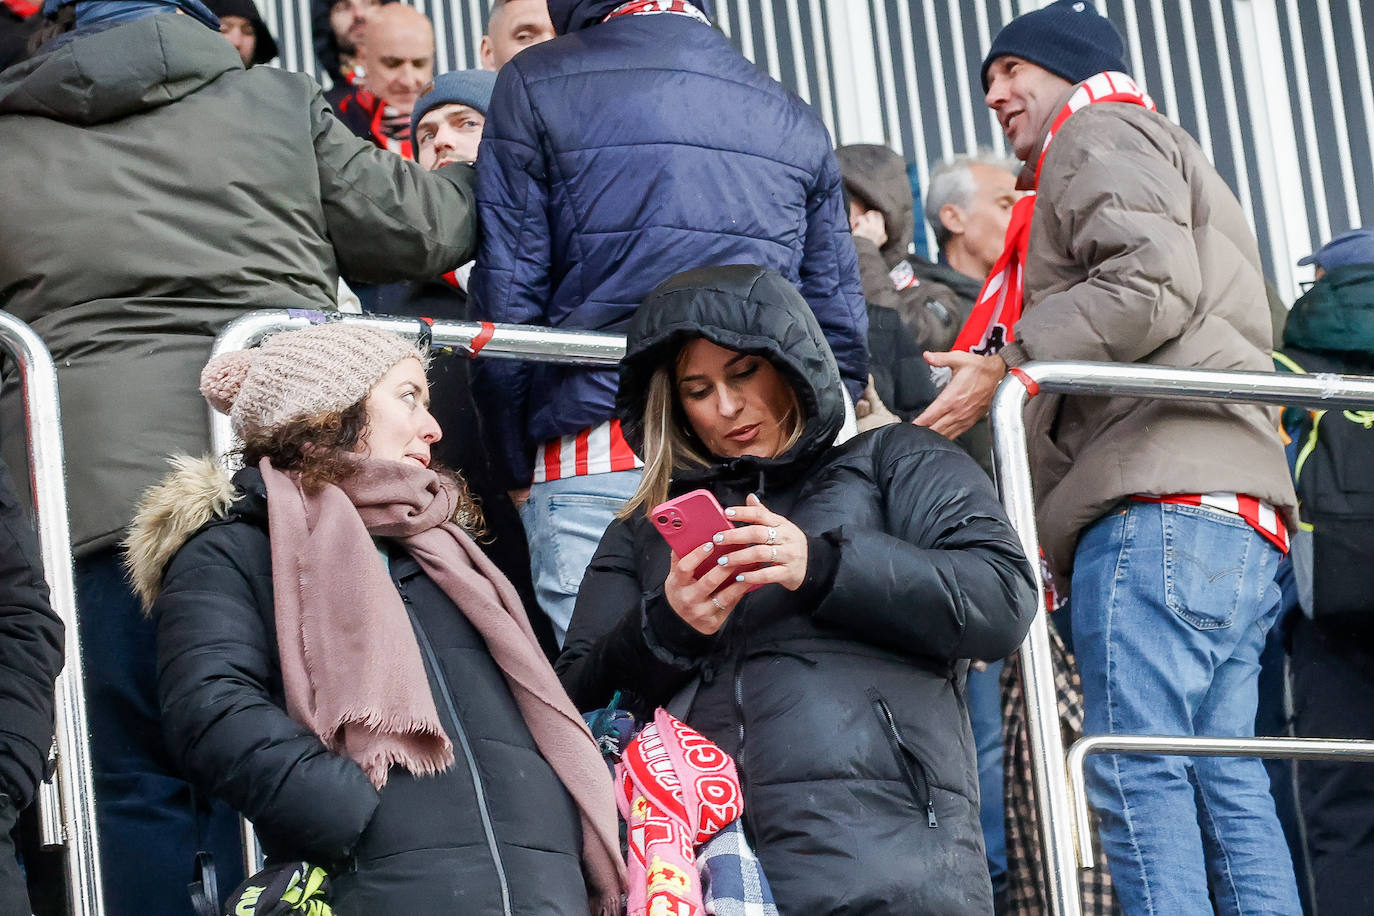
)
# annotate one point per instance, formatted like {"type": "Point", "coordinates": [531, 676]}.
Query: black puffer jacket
{"type": "Point", "coordinates": [496, 833]}
{"type": "Point", "coordinates": [842, 702]}
{"type": "Point", "coordinates": [30, 652]}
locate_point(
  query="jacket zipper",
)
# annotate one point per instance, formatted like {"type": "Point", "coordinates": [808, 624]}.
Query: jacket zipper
{"type": "Point", "coordinates": [916, 777]}
{"type": "Point", "coordinates": [478, 788]}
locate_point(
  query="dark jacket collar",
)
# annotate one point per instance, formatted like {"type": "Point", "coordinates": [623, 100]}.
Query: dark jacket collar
{"type": "Point", "coordinates": [574, 15]}
{"type": "Point", "coordinates": [1336, 314]}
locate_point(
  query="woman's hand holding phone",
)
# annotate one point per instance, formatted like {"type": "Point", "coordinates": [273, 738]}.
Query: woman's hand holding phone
{"type": "Point", "coordinates": [769, 549]}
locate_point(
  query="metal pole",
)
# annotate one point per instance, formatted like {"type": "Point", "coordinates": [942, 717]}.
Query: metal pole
{"type": "Point", "coordinates": [504, 341]}
{"type": "Point", "coordinates": [1292, 748]}
{"type": "Point", "coordinates": [1063, 826]}
{"type": "Point", "coordinates": [507, 341]}
{"type": "Point", "coordinates": [67, 808]}
{"type": "Point", "coordinates": [1012, 464]}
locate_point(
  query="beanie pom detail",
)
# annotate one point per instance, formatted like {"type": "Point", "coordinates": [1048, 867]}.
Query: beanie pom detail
{"type": "Point", "coordinates": [222, 378]}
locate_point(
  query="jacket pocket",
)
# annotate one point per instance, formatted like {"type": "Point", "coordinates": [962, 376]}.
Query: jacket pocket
{"type": "Point", "coordinates": [913, 771]}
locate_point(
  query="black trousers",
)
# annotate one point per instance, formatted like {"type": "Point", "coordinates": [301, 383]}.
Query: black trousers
{"type": "Point", "coordinates": [14, 898]}
{"type": "Point", "coordinates": [1333, 696]}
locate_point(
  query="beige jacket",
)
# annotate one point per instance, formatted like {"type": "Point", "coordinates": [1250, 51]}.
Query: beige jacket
{"type": "Point", "coordinates": [1140, 253]}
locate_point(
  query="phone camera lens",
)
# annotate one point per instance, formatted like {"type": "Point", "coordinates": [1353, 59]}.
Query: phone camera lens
{"type": "Point", "coordinates": [662, 519]}
{"type": "Point", "coordinates": [677, 523]}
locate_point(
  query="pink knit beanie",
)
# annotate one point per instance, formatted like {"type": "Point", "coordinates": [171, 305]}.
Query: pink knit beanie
{"type": "Point", "coordinates": [321, 369]}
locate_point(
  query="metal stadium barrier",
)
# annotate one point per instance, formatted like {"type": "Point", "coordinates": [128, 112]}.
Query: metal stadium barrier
{"type": "Point", "coordinates": [493, 341]}
{"type": "Point", "coordinates": [66, 802]}
{"type": "Point", "coordinates": [1065, 831]}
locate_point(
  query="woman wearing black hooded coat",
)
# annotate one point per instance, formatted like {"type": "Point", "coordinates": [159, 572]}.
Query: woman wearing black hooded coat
{"type": "Point", "coordinates": [839, 694]}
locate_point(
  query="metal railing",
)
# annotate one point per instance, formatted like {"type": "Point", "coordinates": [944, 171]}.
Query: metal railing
{"type": "Point", "coordinates": [499, 341]}
{"type": "Point", "coordinates": [66, 802]}
{"type": "Point", "coordinates": [494, 341]}
{"type": "Point", "coordinates": [1065, 831]}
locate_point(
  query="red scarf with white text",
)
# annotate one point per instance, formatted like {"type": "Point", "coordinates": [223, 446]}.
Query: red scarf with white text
{"type": "Point", "coordinates": [992, 322]}
{"type": "Point", "coordinates": [650, 7]}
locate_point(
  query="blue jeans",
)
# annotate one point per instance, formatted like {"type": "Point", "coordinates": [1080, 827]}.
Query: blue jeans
{"type": "Point", "coordinates": [564, 520]}
{"type": "Point", "coordinates": [985, 715]}
{"type": "Point", "coordinates": [1170, 608]}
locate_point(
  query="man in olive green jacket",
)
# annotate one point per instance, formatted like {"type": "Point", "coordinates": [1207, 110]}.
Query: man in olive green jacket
{"type": "Point", "coordinates": [154, 190]}
{"type": "Point", "coordinates": [1165, 520]}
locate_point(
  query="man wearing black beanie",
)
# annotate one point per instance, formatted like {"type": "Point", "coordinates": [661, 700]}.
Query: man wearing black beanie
{"type": "Point", "coordinates": [1163, 521]}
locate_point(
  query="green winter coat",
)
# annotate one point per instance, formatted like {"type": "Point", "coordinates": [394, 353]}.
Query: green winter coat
{"type": "Point", "coordinates": [154, 190]}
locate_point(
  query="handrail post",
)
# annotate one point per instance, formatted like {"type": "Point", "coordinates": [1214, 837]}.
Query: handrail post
{"type": "Point", "coordinates": [1065, 829]}
{"type": "Point", "coordinates": [66, 807]}
{"type": "Point", "coordinates": [1012, 464]}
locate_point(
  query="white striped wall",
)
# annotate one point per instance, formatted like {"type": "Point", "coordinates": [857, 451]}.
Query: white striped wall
{"type": "Point", "coordinates": [1277, 92]}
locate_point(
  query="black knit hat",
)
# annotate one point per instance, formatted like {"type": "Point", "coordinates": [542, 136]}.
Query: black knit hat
{"type": "Point", "coordinates": [1069, 38]}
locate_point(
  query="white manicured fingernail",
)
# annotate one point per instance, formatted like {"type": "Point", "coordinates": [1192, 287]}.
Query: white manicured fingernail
{"type": "Point", "coordinates": [739, 578]}
{"type": "Point", "coordinates": [707, 548]}
{"type": "Point", "coordinates": [730, 512]}
{"type": "Point", "coordinates": [718, 538]}
{"type": "Point", "coordinates": [723, 560]}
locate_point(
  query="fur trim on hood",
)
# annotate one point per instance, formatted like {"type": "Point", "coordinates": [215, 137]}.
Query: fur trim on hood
{"type": "Point", "coordinates": [196, 492]}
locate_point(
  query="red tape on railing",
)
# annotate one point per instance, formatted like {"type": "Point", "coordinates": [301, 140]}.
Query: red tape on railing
{"type": "Point", "coordinates": [1031, 384]}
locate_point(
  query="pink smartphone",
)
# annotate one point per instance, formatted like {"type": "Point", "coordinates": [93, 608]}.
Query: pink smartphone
{"type": "Point", "coordinates": [688, 521]}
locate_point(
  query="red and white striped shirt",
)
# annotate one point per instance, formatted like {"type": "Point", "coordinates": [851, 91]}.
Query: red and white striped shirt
{"type": "Point", "coordinates": [1261, 516]}
{"type": "Point", "coordinates": [598, 450]}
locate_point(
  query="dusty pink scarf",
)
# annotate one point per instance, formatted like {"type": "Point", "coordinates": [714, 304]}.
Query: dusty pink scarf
{"type": "Point", "coordinates": [351, 668]}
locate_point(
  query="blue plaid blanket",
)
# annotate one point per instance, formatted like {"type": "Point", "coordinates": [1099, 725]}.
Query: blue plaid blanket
{"type": "Point", "coordinates": [732, 879]}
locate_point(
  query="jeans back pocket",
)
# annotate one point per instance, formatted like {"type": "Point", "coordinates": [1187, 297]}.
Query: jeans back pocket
{"type": "Point", "coordinates": [1205, 556]}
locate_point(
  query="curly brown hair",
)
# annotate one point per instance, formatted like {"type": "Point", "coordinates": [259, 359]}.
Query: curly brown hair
{"type": "Point", "coordinates": [320, 450]}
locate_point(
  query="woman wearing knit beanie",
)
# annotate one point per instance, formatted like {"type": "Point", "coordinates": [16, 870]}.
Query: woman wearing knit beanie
{"type": "Point", "coordinates": [340, 662]}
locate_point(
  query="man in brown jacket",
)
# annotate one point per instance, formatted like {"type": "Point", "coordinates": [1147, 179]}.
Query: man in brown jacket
{"type": "Point", "coordinates": [1164, 521]}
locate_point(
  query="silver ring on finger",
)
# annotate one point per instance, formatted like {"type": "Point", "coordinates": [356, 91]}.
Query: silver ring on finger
{"type": "Point", "coordinates": [772, 536]}
{"type": "Point", "coordinates": [716, 602]}
{"type": "Point", "coordinates": [774, 558]}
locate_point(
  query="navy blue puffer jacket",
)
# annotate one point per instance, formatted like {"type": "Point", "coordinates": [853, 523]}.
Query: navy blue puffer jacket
{"type": "Point", "coordinates": [624, 152]}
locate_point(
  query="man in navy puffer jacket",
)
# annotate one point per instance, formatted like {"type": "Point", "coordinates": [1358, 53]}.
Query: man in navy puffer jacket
{"type": "Point", "coordinates": [634, 146]}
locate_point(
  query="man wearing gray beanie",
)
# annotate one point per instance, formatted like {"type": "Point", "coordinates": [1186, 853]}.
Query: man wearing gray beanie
{"type": "Point", "coordinates": [1162, 521]}
{"type": "Point", "coordinates": [447, 120]}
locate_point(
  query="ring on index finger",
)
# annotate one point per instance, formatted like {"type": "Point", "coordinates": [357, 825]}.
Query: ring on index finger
{"type": "Point", "coordinates": [716, 602]}
{"type": "Point", "coordinates": [772, 536]}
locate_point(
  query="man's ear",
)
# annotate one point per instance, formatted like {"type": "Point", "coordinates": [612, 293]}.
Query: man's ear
{"type": "Point", "coordinates": [486, 56]}
{"type": "Point", "coordinates": [952, 218]}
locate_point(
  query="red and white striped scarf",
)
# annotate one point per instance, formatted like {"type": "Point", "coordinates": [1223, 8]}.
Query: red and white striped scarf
{"type": "Point", "coordinates": [991, 324]}
{"type": "Point", "coordinates": [650, 7]}
{"type": "Point", "coordinates": [675, 789]}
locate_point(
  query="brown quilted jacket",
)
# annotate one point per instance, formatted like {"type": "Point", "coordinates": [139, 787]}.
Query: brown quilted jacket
{"type": "Point", "coordinates": [1140, 253]}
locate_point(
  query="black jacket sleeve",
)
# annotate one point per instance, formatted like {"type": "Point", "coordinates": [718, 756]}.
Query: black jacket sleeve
{"type": "Point", "coordinates": [947, 578]}
{"type": "Point", "coordinates": [31, 643]}
{"type": "Point", "coordinates": [217, 666]}
{"type": "Point", "coordinates": [623, 636]}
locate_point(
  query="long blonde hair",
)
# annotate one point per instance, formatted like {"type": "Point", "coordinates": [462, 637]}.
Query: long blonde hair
{"type": "Point", "coordinates": [669, 448]}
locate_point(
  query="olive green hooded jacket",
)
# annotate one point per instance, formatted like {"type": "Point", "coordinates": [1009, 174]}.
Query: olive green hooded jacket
{"type": "Point", "coordinates": [152, 191]}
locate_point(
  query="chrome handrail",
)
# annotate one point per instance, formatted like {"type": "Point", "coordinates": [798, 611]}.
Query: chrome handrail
{"type": "Point", "coordinates": [1289, 748]}
{"type": "Point", "coordinates": [1059, 818]}
{"type": "Point", "coordinates": [66, 804]}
